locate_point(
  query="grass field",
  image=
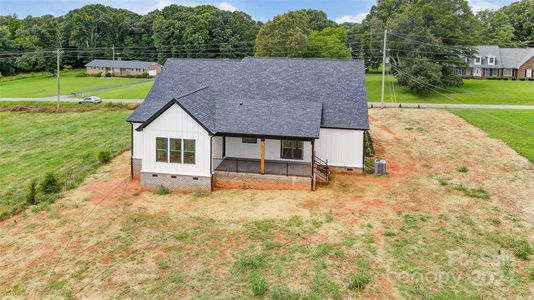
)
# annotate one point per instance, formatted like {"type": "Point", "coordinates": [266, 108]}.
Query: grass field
{"type": "Point", "coordinates": [138, 91]}
{"type": "Point", "coordinates": [514, 127]}
{"type": "Point", "coordinates": [473, 92]}
{"type": "Point", "coordinates": [32, 144]}
{"type": "Point", "coordinates": [44, 85]}
{"type": "Point", "coordinates": [452, 220]}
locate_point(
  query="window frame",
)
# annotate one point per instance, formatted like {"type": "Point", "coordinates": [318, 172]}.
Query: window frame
{"type": "Point", "coordinates": [479, 58]}
{"type": "Point", "coordinates": [507, 75]}
{"type": "Point", "coordinates": [292, 143]}
{"type": "Point", "coordinates": [179, 149]}
{"type": "Point", "coordinates": [491, 60]}
{"type": "Point", "coordinates": [249, 140]}
{"type": "Point", "coordinates": [184, 151]}
{"type": "Point", "coordinates": [166, 150]}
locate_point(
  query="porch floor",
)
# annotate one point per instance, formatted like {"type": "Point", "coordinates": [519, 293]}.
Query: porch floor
{"type": "Point", "coordinates": [272, 167]}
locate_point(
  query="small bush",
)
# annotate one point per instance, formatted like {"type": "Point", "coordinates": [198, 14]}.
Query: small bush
{"type": "Point", "coordinates": [107, 74]}
{"type": "Point", "coordinates": [104, 156]}
{"type": "Point", "coordinates": [83, 74]}
{"type": "Point", "coordinates": [163, 190]}
{"type": "Point", "coordinates": [523, 249]}
{"type": "Point", "coordinates": [462, 169]}
{"type": "Point", "coordinates": [495, 221]}
{"type": "Point", "coordinates": [359, 281]}
{"type": "Point", "coordinates": [32, 193]}
{"type": "Point", "coordinates": [50, 184]}
{"type": "Point", "coordinates": [258, 284]}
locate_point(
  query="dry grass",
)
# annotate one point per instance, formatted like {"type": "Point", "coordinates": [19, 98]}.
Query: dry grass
{"type": "Point", "coordinates": [411, 234]}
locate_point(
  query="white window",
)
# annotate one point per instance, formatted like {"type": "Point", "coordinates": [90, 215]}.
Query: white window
{"type": "Point", "coordinates": [491, 60]}
{"type": "Point", "coordinates": [181, 151]}
{"type": "Point", "coordinates": [507, 72]}
{"type": "Point", "coordinates": [248, 140]}
{"type": "Point", "coordinates": [528, 73]}
{"type": "Point", "coordinates": [478, 60]}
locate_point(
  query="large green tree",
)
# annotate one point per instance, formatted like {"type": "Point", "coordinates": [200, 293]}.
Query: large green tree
{"type": "Point", "coordinates": [425, 43]}
{"type": "Point", "coordinates": [496, 29]}
{"type": "Point", "coordinates": [284, 36]}
{"type": "Point", "coordinates": [328, 43]}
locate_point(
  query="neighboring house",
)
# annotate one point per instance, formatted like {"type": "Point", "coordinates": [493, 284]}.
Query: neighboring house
{"type": "Point", "coordinates": [123, 67]}
{"type": "Point", "coordinates": [255, 123]}
{"type": "Point", "coordinates": [504, 63]}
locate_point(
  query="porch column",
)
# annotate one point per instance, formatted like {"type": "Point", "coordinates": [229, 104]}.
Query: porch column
{"type": "Point", "coordinates": [262, 159]}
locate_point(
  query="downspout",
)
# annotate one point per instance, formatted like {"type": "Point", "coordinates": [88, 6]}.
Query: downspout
{"type": "Point", "coordinates": [211, 160]}
{"type": "Point", "coordinates": [363, 151]}
{"type": "Point", "coordinates": [131, 150]}
{"type": "Point", "coordinates": [313, 165]}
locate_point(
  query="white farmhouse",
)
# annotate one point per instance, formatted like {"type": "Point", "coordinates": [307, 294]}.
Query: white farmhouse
{"type": "Point", "coordinates": [275, 123]}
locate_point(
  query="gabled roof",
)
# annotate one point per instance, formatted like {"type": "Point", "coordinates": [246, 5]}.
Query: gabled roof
{"type": "Point", "coordinates": [509, 58]}
{"type": "Point", "coordinates": [263, 96]}
{"type": "Point", "coordinates": [129, 64]}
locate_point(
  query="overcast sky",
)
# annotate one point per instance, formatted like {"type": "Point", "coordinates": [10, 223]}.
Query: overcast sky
{"type": "Point", "coordinates": [262, 10]}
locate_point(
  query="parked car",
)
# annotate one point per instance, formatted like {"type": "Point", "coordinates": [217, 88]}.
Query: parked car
{"type": "Point", "coordinates": [92, 100]}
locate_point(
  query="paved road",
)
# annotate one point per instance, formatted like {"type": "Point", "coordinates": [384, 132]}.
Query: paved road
{"type": "Point", "coordinates": [443, 105]}
{"type": "Point", "coordinates": [371, 104]}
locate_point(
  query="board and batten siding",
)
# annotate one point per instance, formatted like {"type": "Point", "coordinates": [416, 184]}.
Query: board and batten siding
{"type": "Point", "coordinates": [174, 123]}
{"type": "Point", "coordinates": [342, 147]}
{"type": "Point", "coordinates": [236, 148]}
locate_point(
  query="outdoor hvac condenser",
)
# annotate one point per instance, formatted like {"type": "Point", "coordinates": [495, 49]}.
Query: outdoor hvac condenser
{"type": "Point", "coordinates": [380, 167]}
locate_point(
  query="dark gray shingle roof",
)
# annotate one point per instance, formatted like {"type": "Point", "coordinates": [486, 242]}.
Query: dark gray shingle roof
{"type": "Point", "coordinates": [129, 64]}
{"type": "Point", "coordinates": [263, 96]}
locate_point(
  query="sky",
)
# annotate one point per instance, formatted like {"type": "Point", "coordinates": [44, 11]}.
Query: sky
{"type": "Point", "coordinates": [261, 10]}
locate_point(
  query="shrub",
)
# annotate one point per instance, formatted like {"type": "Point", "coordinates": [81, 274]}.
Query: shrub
{"type": "Point", "coordinates": [104, 156]}
{"type": "Point", "coordinates": [359, 281]}
{"type": "Point", "coordinates": [258, 284]}
{"type": "Point", "coordinates": [83, 74]}
{"type": "Point", "coordinates": [32, 192]}
{"type": "Point", "coordinates": [50, 184]}
{"type": "Point", "coordinates": [163, 190]}
{"type": "Point", "coordinates": [522, 249]}
{"type": "Point", "coordinates": [462, 169]}
{"type": "Point", "coordinates": [107, 74]}
{"type": "Point", "coordinates": [495, 221]}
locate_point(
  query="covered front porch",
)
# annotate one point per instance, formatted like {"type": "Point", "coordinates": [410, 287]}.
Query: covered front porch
{"type": "Point", "coordinates": [270, 167]}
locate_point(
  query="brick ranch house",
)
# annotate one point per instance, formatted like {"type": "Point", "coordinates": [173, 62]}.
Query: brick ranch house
{"type": "Point", "coordinates": [275, 123]}
{"type": "Point", "coordinates": [123, 67]}
{"type": "Point", "coordinates": [501, 63]}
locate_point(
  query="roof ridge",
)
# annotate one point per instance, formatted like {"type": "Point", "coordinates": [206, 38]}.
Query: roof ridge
{"type": "Point", "coordinates": [304, 58]}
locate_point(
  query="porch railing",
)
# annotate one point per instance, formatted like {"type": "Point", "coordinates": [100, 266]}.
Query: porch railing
{"type": "Point", "coordinates": [243, 165]}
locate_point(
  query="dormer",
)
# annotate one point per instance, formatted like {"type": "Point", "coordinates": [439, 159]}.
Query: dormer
{"type": "Point", "coordinates": [491, 60]}
{"type": "Point", "coordinates": [478, 60]}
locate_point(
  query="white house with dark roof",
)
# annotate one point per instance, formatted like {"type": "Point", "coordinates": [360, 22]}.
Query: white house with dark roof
{"type": "Point", "coordinates": [502, 63]}
{"type": "Point", "coordinates": [255, 123]}
{"type": "Point", "coordinates": [122, 67]}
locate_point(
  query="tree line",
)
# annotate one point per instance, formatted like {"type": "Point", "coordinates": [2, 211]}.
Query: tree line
{"type": "Point", "coordinates": [427, 37]}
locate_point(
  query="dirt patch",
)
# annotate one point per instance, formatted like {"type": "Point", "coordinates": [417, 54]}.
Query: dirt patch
{"type": "Point", "coordinates": [115, 241]}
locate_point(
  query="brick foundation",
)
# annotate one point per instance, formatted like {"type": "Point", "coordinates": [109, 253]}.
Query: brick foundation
{"type": "Point", "coordinates": [345, 170]}
{"type": "Point", "coordinates": [136, 168]}
{"type": "Point", "coordinates": [260, 182]}
{"type": "Point", "coordinates": [186, 183]}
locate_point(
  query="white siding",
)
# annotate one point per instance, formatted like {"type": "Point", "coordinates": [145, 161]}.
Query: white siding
{"type": "Point", "coordinates": [137, 151]}
{"type": "Point", "coordinates": [176, 123]}
{"type": "Point", "coordinates": [342, 147]}
{"type": "Point", "coordinates": [235, 148]}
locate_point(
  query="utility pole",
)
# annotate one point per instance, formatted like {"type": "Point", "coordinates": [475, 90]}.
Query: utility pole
{"type": "Point", "coordinates": [113, 49]}
{"type": "Point", "coordinates": [57, 78]}
{"type": "Point", "coordinates": [384, 65]}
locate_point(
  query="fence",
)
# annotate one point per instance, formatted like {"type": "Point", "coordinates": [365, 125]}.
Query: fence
{"type": "Point", "coordinates": [243, 165]}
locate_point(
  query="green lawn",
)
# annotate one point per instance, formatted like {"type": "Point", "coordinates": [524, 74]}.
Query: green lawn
{"type": "Point", "coordinates": [138, 91]}
{"type": "Point", "coordinates": [514, 127]}
{"type": "Point", "coordinates": [473, 92]}
{"type": "Point", "coordinates": [44, 85]}
{"type": "Point", "coordinates": [32, 144]}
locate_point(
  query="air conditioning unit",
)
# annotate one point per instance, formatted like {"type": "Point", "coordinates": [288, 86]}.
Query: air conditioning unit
{"type": "Point", "coordinates": [380, 167]}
